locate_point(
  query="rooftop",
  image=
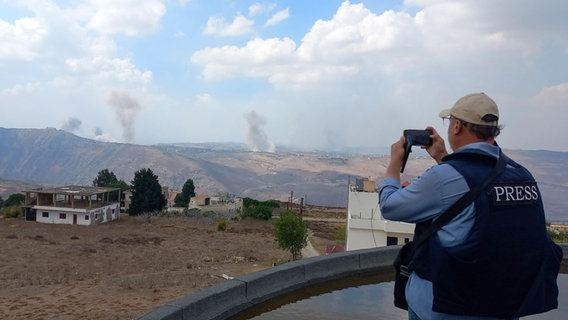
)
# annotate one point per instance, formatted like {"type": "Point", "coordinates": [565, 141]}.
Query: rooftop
{"type": "Point", "coordinates": [73, 190]}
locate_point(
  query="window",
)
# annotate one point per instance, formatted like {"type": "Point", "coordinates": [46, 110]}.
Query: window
{"type": "Point", "coordinates": [392, 241]}
{"type": "Point", "coordinates": [62, 216]}
{"type": "Point", "coordinates": [45, 214]}
{"type": "Point", "coordinates": [86, 217]}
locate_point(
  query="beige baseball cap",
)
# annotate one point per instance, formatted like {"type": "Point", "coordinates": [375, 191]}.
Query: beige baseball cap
{"type": "Point", "coordinates": [476, 108]}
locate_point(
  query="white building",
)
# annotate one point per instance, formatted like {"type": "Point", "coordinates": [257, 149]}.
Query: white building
{"type": "Point", "coordinates": [73, 205]}
{"type": "Point", "coordinates": [366, 227]}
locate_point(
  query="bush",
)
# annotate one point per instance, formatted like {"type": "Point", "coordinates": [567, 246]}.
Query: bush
{"type": "Point", "coordinates": [261, 210]}
{"type": "Point", "coordinates": [291, 233]}
{"type": "Point", "coordinates": [340, 234]}
{"type": "Point", "coordinates": [12, 212]}
{"type": "Point", "coordinates": [558, 236]}
{"type": "Point", "coordinates": [221, 225]}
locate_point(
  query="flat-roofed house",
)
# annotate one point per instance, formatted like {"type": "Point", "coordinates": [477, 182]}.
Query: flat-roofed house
{"type": "Point", "coordinates": [73, 205]}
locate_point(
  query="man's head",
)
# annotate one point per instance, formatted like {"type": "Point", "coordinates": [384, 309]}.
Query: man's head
{"type": "Point", "coordinates": [475, 108]}
{"type": "Point", "coordinates": [474, 117]}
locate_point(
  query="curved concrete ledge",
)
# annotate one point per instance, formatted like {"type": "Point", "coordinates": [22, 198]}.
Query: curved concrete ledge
{"type": "Point", "coordinates": [230, 297]}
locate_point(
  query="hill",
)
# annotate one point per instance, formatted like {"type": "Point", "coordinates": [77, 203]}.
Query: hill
{"type": "Point", "coordinates": [32, 157]}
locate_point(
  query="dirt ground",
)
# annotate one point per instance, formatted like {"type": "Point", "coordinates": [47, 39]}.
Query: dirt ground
{"type": "Point", "coordinates": [126, 268]}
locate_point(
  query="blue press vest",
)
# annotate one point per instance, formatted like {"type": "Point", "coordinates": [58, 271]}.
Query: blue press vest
{"type": "Point", "coordinates": [508, 265]}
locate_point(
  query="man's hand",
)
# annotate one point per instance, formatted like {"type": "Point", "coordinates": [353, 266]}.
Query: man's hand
{"type": "Point", "coordinates": [397, 156]}
{"type": "Point", "coordinates": [438, 148]}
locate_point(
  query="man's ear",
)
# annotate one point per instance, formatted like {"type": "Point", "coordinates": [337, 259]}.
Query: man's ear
{"type": "Point", "coordinates": [458, 127]}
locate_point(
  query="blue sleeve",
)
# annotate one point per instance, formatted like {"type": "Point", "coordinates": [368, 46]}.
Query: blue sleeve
{"type": "Point", "coordinates": [425, 198]}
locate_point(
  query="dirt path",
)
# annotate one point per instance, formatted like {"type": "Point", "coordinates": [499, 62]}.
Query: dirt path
{"type": "Point", "coordinates": [309, 250]}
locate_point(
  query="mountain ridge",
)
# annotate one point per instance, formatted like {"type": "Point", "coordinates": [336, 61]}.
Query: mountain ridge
{"type": "Point", "coordinates": [45, 157]}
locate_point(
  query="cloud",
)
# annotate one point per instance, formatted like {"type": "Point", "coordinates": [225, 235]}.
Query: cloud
{"type": "Point", "coordinates": [204, 99]}
{"type": "Point", "coordinates": [258, 58]}
{"type": "Point", "coordinates": [21, 40]}
{"type": "Point", "coordinates": [18, 89]}
{"type": "Point", "coordinates": [218, 26]}
{"type": "Point", "coordinates": [355, 76]}
{"type": "Point", "coordinates": [71, 124]}
{"type": "Point", "coordinates": [554, 96]}
{"type": "Point", "coordinates": [127, 17]}
{"type": "Point", "coordinates": [104, 68]}
{"type": "Point", "coordinates": [278, 17]}
{"type": "Point", "coordinates": [354, 39]}
{"type": "Point", "coordinates": [259, 8]}
{"type": "Point", "coordinates": [126, 108]}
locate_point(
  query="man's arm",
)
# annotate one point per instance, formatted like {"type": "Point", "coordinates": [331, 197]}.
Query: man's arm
{"type": "Point", "coordinates": [425, 198]}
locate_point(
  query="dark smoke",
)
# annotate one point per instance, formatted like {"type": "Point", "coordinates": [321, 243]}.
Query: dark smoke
{"type": "Point", "coordinates": [126, 108]}
{"type": "Point", "coordinates": [72, 124]}
{"type": "Point", "coordinates": [256, 137]}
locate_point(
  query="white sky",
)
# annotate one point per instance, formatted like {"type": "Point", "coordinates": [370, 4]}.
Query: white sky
{"type": "Point", "coordinates": [316, 74]}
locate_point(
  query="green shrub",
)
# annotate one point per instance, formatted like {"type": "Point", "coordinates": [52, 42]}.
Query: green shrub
{"type": "Point", "coordinates": [291, 233]}
{"type": "Point", "coordinates": [558, 236]}
{"type": "Point", "coordinates": [221, 225]}
{"type": "Point", "coordinates": [272, 203]}
{"type": "Point", "coordinates": [340, 234]}
{"type": "Point", "coordinates": [12, 212]}
{"type": "Point", "coordinates": [261, 210]}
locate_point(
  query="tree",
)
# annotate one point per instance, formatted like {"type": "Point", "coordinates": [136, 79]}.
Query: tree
{"type": "Point", "coordinates": [147, 193]}
{"type": "Point", "coordinates": [105, 178]}
{"type": "Point", "coordinates": [259, 209]}
{"type": "Point", "coordinates": [291, 232]}
{"type": "Point", "coordinates": [1, 202]}
{"type": "Point", "coordinates": [187, 191]}
{"type": "Point", "coordinates": [15, 199]}
{"type": "Point", "coordinates": [123, 186]}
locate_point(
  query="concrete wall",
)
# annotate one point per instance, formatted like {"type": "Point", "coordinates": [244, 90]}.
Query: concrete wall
{"type": "Point", "coordinates": [232, 296]}
{"type": "Point", "coordinates": [98, 215]}
{"type": "Point", "coordinates": [366, 227]}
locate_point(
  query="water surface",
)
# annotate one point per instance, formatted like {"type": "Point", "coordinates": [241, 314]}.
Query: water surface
{"type": "Point", "coordinates": [362, 297]}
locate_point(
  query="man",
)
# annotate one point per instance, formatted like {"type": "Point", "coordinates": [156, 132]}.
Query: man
{"type": "Point", "coordinates": [494, 260]}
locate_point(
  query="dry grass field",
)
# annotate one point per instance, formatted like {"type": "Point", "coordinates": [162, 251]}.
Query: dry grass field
{"type": "Point", "coordinates": [126, 268]}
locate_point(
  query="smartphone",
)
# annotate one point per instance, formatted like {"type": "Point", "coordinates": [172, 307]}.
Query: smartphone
{"type": "Point", "coordinates": [416, 137]}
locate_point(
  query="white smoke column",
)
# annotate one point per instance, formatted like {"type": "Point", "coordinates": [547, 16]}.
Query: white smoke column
{"type": "Point", "coordinates": [126, 109]}
{"type": "Point", "coordinates": [255, 135]}
{"type": "Point", "coordinates": [72, 124]}
{"type": "Point", "coordinates": [100, 136]}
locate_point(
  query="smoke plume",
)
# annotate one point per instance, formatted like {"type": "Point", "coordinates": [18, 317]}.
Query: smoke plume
{"type": "Point", "coordinates": [100, 136]}
{"type": "Point", "coordinates": [72, 124]}
{"type": "Point", "coordinates": [126, 109]}
{"type": "Point", "coordinates": [256, 137]}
